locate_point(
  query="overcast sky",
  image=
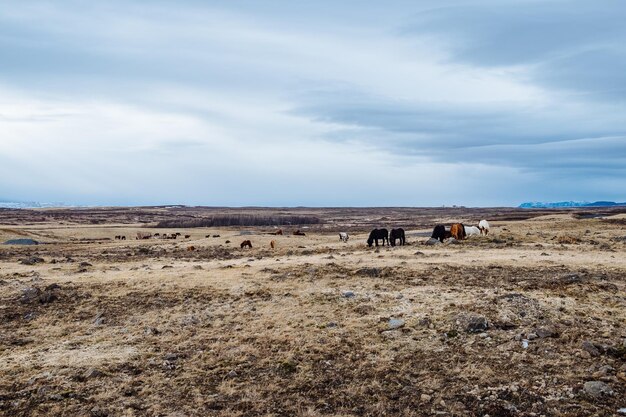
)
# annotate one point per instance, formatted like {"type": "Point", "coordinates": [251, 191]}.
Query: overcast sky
{"type": "Point", "coordinates": [324, 103]}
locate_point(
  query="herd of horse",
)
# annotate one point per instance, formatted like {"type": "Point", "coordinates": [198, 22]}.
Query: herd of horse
{"type": "Point", "coordinates": [458, 231]}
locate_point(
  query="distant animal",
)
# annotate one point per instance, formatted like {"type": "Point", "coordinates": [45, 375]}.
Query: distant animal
{"type": "Point", "coordinates": [343, 236]}
{"type": "Point", "coordinates": [191, 248]}
{"type": "Point", "coordinates": [122, 237]}
{"type": "Point", "coordinates": [174, 235]}
{"type": "Point", "coordinates": [279, 232]}
{"type": "Point", "coordinates": [144, 235]}
{"type": "Point", "coordinates": [246, 243]}
{"type": "Point", "coordinates": [378, 234]}
{"type": "Point", "coordinates": [457, 230]}
{"type": "Point", "coordinates": [207, 236]}
{"type": "Point", "coordinates": [397, 234]}
{"type": "Point", "coordinates": [157, 234]}
{"type": "Point", "coordinates": [483, 225]}
{"type": "Point", "coordinates": [117, 237]}
{"type": "Point", "coordinates": [273, 244]}
{"type": "Point", "coordinates": [177, 233]}
{"type": "Point", "coordinates": [298, 233]}
{"type": "Point", "coordinates": [439, 232]}
{"type": "Point", "coordinates": [216, 235]}
{"type": "Point", "coordinates": [187, 236]}
{"type": "Point", "coordinates": [472, 230]}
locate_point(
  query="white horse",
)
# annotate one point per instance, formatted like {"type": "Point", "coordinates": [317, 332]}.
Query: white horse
{"type": "Point", "coordinates": [483, 225]}
{"type": "Point", "coordinates": [343, 236]}
{"type": "Point", "coordinates": [471, 231]}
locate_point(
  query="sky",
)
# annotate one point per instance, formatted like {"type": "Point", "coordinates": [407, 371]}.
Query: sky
{"type": "Point", "coordinates": [325, 103]}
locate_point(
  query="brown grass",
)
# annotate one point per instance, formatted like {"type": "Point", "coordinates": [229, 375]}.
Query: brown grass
{"type": "Point", "coordinates": [225, 331]}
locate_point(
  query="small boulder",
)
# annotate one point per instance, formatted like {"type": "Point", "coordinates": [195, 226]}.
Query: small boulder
{"type": "Point", "coordinates": [590, 348]}
{"type": "Point", "coordinates": [597, 389]}
{"type": "Point", "coordinates": [477, 324]}
{"type": "Point", "coordinates": [432, 242]}
{"type": "Point", "coordinates": [394, 324]}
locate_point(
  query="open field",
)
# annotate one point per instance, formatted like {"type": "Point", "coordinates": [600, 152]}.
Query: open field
{"type": "Point", "coordinates": [528, 321]}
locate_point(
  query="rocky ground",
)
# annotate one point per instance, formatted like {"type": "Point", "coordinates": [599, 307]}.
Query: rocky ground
{"type": "Point", "coordinates": [528, 321]}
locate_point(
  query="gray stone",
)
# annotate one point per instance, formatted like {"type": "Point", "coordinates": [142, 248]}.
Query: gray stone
{"type": "Point", "coordinates": [597, 388]}
{"type": "Point", "coordinates": [432, 242]}
{"type": "Point", "coordinates": [545, 332]}
{"type": "Point", "coordinates": [591, 348]}
{"type": "Point", "coordinates": [92, 373]}
{"type": "Point", "coordinates": [348, 294]}
{"type": "Point", "coordinates": [477, 324]}
{"type": "Point", "coordinates": [395, 324]}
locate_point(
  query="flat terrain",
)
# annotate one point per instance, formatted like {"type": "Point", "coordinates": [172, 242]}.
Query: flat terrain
{"type": "Point", "coordinates": [527, 321]}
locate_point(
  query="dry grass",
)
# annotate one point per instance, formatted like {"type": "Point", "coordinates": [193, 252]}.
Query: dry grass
{"type": "Point", "coordinates": [232, 332]}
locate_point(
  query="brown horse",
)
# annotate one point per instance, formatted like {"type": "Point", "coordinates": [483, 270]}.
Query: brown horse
{"type": "Point", "coordinates": [246, 243]}
{"type": "Point", "coordinates": [298, 233]}
{"type": "Point", "coordinates": [279, 232]}
{"type": "Point", "coordinates": [457, 230]}
{"type": "Point", "coordinates": [191, 248]}
{"type": "Point", "coordinates": [273, 244]}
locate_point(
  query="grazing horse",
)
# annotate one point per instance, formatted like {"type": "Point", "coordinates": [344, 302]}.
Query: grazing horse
{"type": "Point", "coordinates": [273, 244]}
{"type": "Point", "coordinates": [122, 237]}
{"type": "Point", "coordinates": [483, 225]}
{"type": "Point", "coordinates": [187, 236]}
{"type": "Point", "coordinates": [343, 236]}
{"type": "Point", "coordinates": [378, 234]}
{"type": "Point", "coordinates": [279, 232]}
{"type": "Point", "coordinates": [439, 232]}
{"type": "Point", "coordinates": [397, 234]}
{"type": "Point", "coordinates": [216, 235]}
{"type": "Point", "coordinates": [298, 233]}
{"type": "Point", "coordinates": [191, 248]}
{"type": "Point", "coordinates": [472, 230]}
{"type": "Point", "coordinates": [117, 237]}
{"type": "Point", "coordinates": [246, 243]}
{"type": "Point", "coordinates": [457, 230]}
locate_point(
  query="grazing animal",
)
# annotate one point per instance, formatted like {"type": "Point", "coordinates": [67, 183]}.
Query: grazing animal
{"type": "Point", "coordinates": [117, 237]}
{"type": "Point", "coordinates": [191, 248]}
{"type": "Point", "coordinates": [439, 232]}
{"type": "Point", "coordinates": [483, 225]}
{"type": "Point", "coordinates": [472, 230]}
{"type": "Point", "coordinates": [246, 243]}
{"type": "Point", "coordinates": [273, 244]}
{"type": "Point", "coordinates": [457, 230]}
{"type": "Point", "coordinates": [122, 237]}
{"type": "Point", "coordinates": [343, 236]}
{"type": "Point", "coordinates": [298, 233]}
{"type": "Point", "coordinates": [378, 234]}
{"type": "Point", "coordinates": [157, 234]}
{"type": "Point", "coordinates": [187, 236]}
{"type": "Point", "coordinates": [207, 236]}
{"type": "Point", "coordinates": [397, 234]}
{"type": "Point", "coordinates": [279, 232]}
{"type": "Point", "coordinates": [216, 235]}
{"type": "Point", "coordinates": [177, 233]}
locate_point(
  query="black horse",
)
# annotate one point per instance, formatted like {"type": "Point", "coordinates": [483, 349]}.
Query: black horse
{"type": "Point", "coordinates": [397, 234]}
{"type": "Point", "coordinates": [440, 232]}
{"type": "Point", "coordinates": [378, 234]}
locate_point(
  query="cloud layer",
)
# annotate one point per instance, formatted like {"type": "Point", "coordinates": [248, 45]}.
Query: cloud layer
{"type": "Point", "coordinates": [474, 103]}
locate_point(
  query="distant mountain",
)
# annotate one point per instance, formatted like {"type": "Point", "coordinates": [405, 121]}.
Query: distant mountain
{"type": "Point", "coordinates": [566, 204]}
{"type": "Point", "coordinates": [30, 204]}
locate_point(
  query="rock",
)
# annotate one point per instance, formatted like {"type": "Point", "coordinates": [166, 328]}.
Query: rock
{"type": "Point", "coordinates": [348, 294]}
{"type": "Point", "coordinates": [597, 388]}
{"type": "Point", "coordinates": [477, 324]}
{"type": "Point", "coordinates": [453, 241]}
{"type": "Point", "coordinates": [418, 253]}
{"type": "Point", "coordinates": [98, 412]}
{"type": "Point", "coordinates": [167, 267]}
{"type": "Point", "coordinates": [621, 411]}
{"type": "Point", "coordinates": [85, 264]}
{"type": "Point", "coordinates": [432, 242]}
{"type": "Point", "coordinates": [394, 324]}
{"type": "Point", "coordinates": [532, 336]}
{"type": "Point", "coordinates": [331, 325]}
{"type": "Point", "coordinates": [92, 373]}
{"type": "Point", "coordinates": [171, 357]}
{"type": "Point", "coordinates": [425, 398]}
{"type": "Point", "coordinates": [29, 295]}
{"type": "Point", "coordinates": [99, 320]}
{"type": "Point", "coordinates": [545, 332]}
{"type": "Point", "coordinates": [590, 348]}
{"type": "Point", "coordinates": [369, 272]}
{"type": "Point", "coordinates": [32, 260]}
{"type": "Point", "coordinates": [231, 374]}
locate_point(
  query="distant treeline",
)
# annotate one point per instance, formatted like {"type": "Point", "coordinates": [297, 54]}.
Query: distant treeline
{"type": "Point", "coordinates": [223, 220]}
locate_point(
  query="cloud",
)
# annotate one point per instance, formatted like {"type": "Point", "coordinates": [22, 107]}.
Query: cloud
{"type": "Point", "coordinates": [319, 104]}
